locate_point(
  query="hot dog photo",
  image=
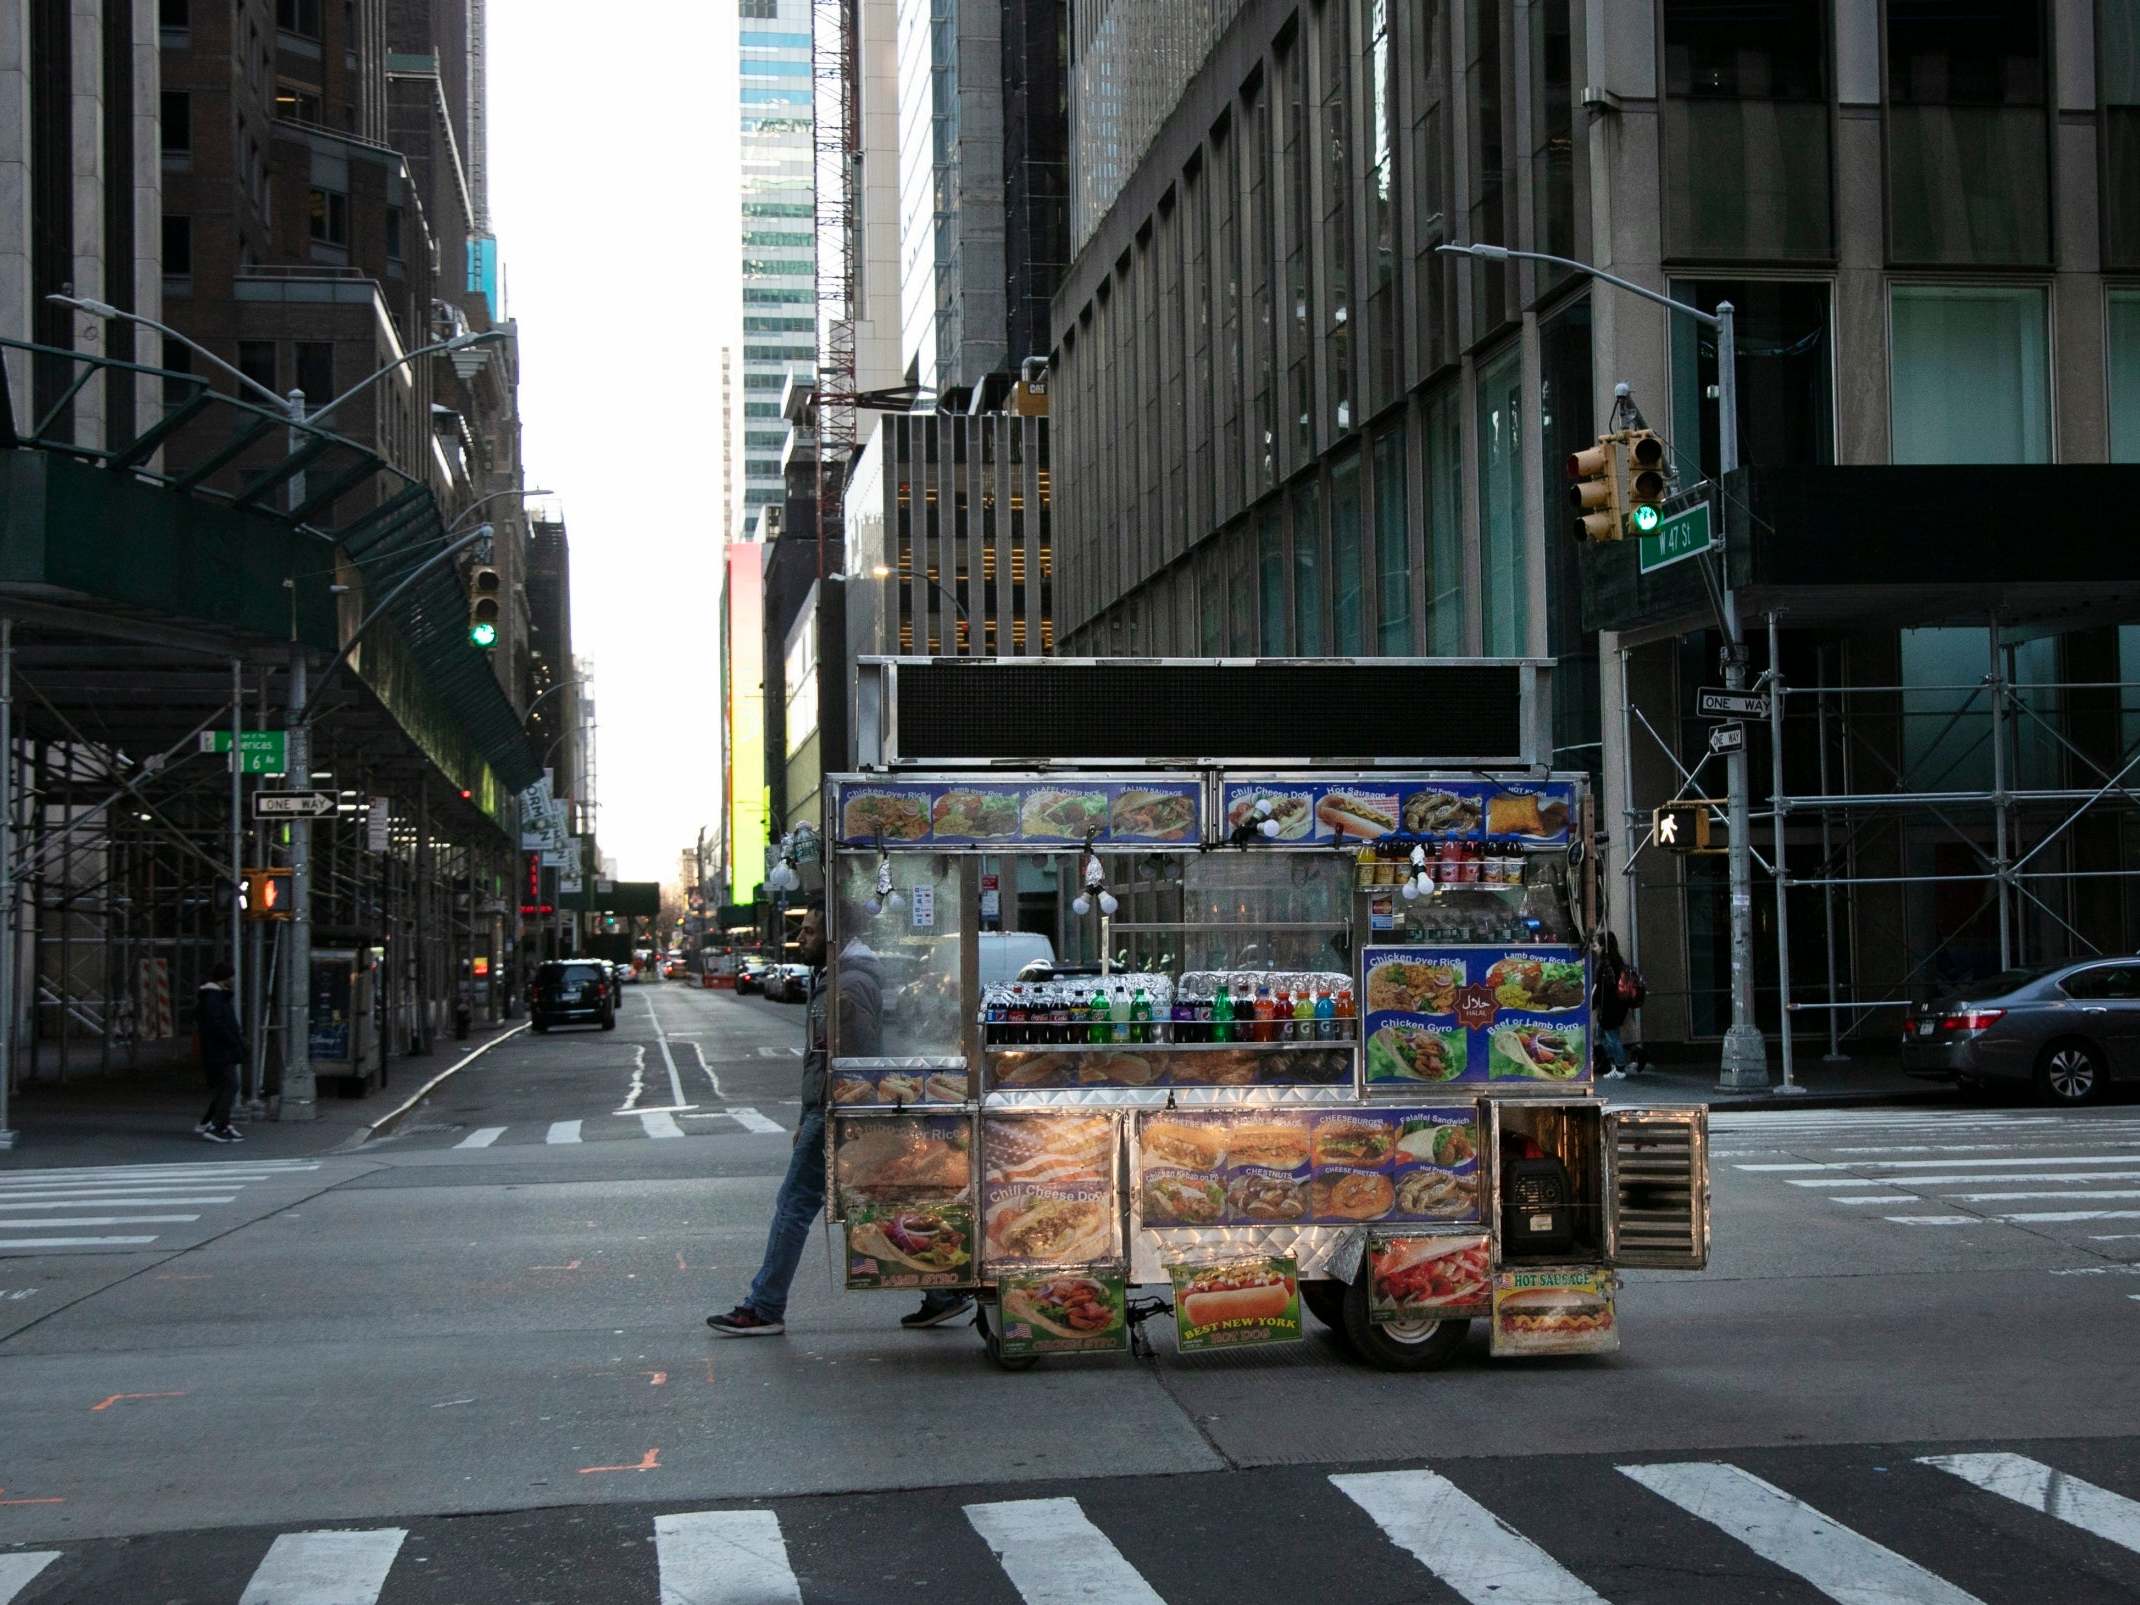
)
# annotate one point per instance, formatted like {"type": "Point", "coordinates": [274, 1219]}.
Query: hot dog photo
{"type": "Point", "coordinates": [1554, 1312]}
{"type": "Point", "coordinates": [1234, 1303]}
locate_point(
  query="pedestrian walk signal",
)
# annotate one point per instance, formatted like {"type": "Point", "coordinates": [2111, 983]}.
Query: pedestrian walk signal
{"type": "Point", "coordinates": [484, 606]}
{"type": "Point", "coordinates": [264, 894]}
{"type": "Point", "coordinates": [1682, 827]}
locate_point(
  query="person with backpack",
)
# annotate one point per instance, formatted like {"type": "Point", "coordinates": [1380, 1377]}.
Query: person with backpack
{"type": "Point", "coordinates": [1617, 990]}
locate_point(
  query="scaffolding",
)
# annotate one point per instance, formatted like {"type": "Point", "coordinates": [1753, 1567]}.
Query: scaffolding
{"type": "Point", "coordinates": [1933, 830]}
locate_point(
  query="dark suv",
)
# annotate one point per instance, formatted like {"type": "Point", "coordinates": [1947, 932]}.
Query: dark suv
{"type": "Point", "coordinates": [568, 990]}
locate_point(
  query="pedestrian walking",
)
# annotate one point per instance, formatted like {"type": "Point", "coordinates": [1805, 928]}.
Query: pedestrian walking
{"type": "Point", "coordinates": [1617, 990]}
{"type": "Point", "coordinates": [222, 1040]}
{"type": "Point", "coordinates": [859, 998]}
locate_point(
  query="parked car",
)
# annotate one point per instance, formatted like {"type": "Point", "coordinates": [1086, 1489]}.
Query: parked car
{"type": "Point", "coordinates": [565, 991]}
{"type": "Point", "coordinates": [2067, 1029]}
{"type": "Point", "coordinates": [788, 983]}
{"type": "Point", "coordinates": [750, 972]}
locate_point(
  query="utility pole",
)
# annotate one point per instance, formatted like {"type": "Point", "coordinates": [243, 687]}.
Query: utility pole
{"type": "Point", "coordinates": [299, 1093]}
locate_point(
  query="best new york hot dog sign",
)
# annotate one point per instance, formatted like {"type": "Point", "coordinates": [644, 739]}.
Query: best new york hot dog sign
{"type": "Point", "coordinates": [1231, 1303]}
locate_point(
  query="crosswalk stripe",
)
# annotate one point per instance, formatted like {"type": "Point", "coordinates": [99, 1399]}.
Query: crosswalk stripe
{"type": "Point", "coordinates": [661, 1125]}
{"type": "Point", "coordinates": [1462, 1542]}
{"type": "Point", "coordinates": [751, 1120]}
{"type": "Point", "coordinates": [19, 1570]}
{"type": "Point", "coordinates": [101, 1220]}
{"type": "Point", "coordinates": [1942, 1164]}
{"type": "Point", "coordinates": [2024, 1197]}
{"type": "Point", "coordinates": [2077, 1178]}
{"type": "Point", "coordinates": [724, 1557]}
{"type": "Point", "coordinates": [1844, 1565]}
{"type": "Point", "coordinates": [119, 1189]}
{"type": "Point", "coordinates": [2053, 1493]}
{"type": "Point", "coordinates": [481, 1137]}
{"type": "Point", "coordinates": [325, 1568]}
{"type": "Point", "coordinates": [256, 1169]}
{"type": "Point", "coordinates": [1054, 1555]}
{"type": "Point", "coordinates": [75, 1242]}
{"type": "Point", "coordinates": [15, 1206]}
{"type": "Point", "coordinates": [563, 1131]}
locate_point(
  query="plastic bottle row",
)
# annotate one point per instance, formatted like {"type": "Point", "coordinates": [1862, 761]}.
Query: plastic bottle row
{"type": "Point", "coordinates": [1263, 1006]}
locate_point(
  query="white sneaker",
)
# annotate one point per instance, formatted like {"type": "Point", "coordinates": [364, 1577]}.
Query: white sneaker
{"type": "Point", "coordinates": [210, 1134]}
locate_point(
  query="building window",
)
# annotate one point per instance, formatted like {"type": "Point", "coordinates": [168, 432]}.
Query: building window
{"type": "Point", "coordinates": [1971, 374]}
{"type": "Point", "coordinates": [1257, 261]}
{"type": "Point", "coordinates": [1211, 601]}
{"type": "Point", "coordinates": [1348, 606]}
{"type": "Point", "coordinates": [1442, 495]}
{"type": "Point", "coordinates": [758, 10]}
{"type": "Point", "coordinates": [1295, 222]}
{"type": "Point", "coordinates": [1393, 556]}
{"type": "Point", "coordinates": [1566, 424]}
{"type": "Point", "coordinates": [177, 365]}
{"type": "Point", "coordinates": [175, 111]}
{"type": "Point", "coordinates": [393, 234]}
{"type": "Point", "coordinates": [315, 370]}
{"type": "Point", "coordinates": [1746, 129]}
{"type": "Point", "coordinates": [1380, 340]}
{"type": "Point", "coordinates": [1241, 592]}
{"type": "Point", "coordinates": [2125, 376]}
{"type": "Point", "coordinates": [256, 360]}
{"type": "Point", "coordinates": [177, 246]}
{"type": "Point", "coordinates": [2118, 85]}
{"type": "Point", "coordinates": [1270, 580]}
{"type": "Point", "coordinates": [301, 17]}
{"type": "Point", "coordinates": [1552, 136]}
{"type": "Point", "coordinates": [1423, 27]}
{"type": "Point", "coordinates": [1786, 375]}
{"type": "Point", "coordinates": [300, 103]}
{"type": "Point", "coordinates": [1307, 569]}
{"type": "Point", "coordinates": [328, 216]}
{"type": "Point", "coordinates": [1504, 580]}
{"type": "Point", "coordinates": [1491, 181]}
{"type": "Point", "coordinates": [1968, 138]}
{"type": "Point", "coordinates": [1336, 134]}
{"type": "Point", "coordinates": [173, 14]}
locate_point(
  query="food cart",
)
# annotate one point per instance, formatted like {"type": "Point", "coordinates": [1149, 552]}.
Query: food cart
{"type": "Point", "coordinates": [1316, 1034]}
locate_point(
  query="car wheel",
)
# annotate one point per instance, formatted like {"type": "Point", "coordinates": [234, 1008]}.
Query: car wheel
{"type": "Point", "coordinates": [609, 1021]}
{"type": "Point", "coordinates": [2070, 1072]}
{"type": "Point", "coordinates": [541, 1025]}
{"type": "Point", "coordinates": [1399, 1345]}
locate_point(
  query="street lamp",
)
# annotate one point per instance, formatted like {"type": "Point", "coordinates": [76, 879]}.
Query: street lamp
{"type": "Point", "coordinates": [1745, 1058]}
{"type": "Point", "coordinates": [883, 571]}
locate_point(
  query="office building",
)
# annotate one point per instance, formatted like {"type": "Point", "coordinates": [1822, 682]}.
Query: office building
{"type": "Point", "coordinates": [1289, 426]}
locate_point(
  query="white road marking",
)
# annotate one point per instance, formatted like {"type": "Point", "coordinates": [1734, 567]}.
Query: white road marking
{"type": "Point", "coordinates": [74, 1242]}
{"type": "Point", "coordinates": [326, 1568]}
{"type": "Point", "coordinates": [724, 1557]}
{"type": "Point", "coordinates": [2065, 1217]}
{"type": "Point", "coordinates": [18, 1571]}
{"type": "Point", "coordinates": [1054, 1555]}
{"type": "Point", "coordinates": [751, 1120]}
{"type": "Point", "coordinates": [15, 1205]}
{"type": "Point", "coordinates": [1942, 1164]}
{"type": "Point", "coordinates": [99, 1220]}
{"type": "Point", "coordinates": [158, 1175]}
{"type": "Point", "coordinates": [1878, 1198]}
{"type": "Point", "coordinates": [1844, 1565]}
{"type": "Point", "coordinates": [638, 1086]}
{"type": "Point", "coordinates": [1462, 1542]}
{"type": "Point", "coordinates": [481, 1137]}
{"type": "Point", "coordinates": [118, 1189]}
{"type": "Point", "coordinates": [563, 1131]}
{"type": "Point", "coordinates": [710, 1076]}
{"type": "Point", "coordinates": [1938, 1220]}
{"type": "Point", "coordinates": [2020, 1197]}
{"type": "Point", "coordinates": [2053, 1493]}
{"type": "Point", "coordinates": [768, 1051]}
{"type": "Point", "coordinates": [661, 1038]}
{"type": "Point", "coordinates": [2079, 1178]}
{"type": "Point", "coordinates": [661, 1124]}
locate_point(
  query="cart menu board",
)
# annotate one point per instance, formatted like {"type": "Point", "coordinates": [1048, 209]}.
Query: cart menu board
{"type": "Point", "coordinates": [910, 1245]}
{"type": "Point", "coordinates": [900, 1159]}
{"type": "Point", "coordinates": [981, 813]}
{"type": "Point", "coordinates": [1477, 1014]}
{"type": "Point", "coordinates": [1236, 1303]}
{"type": "Point", "coordinates": [1557, 1311]}
{"type": "Point", "coordinates": [863, 1083]}
{"type": "Point", "coordinates": [1312, 812]}
{"type": "Point", "coordinates": [1305, 1167]}
{"type": "Point", "coordinates": [1048, 1189]}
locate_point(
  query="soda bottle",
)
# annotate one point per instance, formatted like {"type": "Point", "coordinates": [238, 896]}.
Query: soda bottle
{"type": "Point", "coordinates": [1118, 1007]}
{"type": "Point", "coordinates": [1090, 1013]}
{"type": "Point", "coordinates": [1325, 1015]}
{"type": "Point", "coordinates": [1200, 1017]}
{"type": "Point", "coordinates": [1014, 1017]}
{"type": "Point", "coordinates": [1222, 1014]}
{"type": "Point", "coordinates": [1140, 1015]}
{"type": "Point", "coordinates": [1266, 1016]}
{"type": "Point", "coordinates": [1343, 1012]}
{"type": "Point", "coordinates": [1303, 1016]}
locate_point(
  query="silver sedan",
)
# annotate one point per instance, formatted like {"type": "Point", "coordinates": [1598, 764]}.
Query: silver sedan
{"type": "Point", "coordinates": [2068, 1029]}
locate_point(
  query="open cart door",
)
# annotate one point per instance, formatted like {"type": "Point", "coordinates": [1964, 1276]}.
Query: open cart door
{"type": "Point", "coordinates": [1657, 1188]}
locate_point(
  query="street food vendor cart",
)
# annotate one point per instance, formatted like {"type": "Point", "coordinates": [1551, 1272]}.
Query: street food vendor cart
{"type": "Point", "coordinates": [1315, 1032]}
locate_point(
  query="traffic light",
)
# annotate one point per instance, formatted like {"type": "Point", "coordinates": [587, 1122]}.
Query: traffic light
{"type": "Point", "coordinates": [1682, 827]}
{"type": "Point", "coordinates": [1594, 490]}
{"type": "Point", "coordinates": [484, 604]}
{"type": "Point", "coordinates": [264, 894]}
{"type": "Point", "coordinates": [1645, 481]}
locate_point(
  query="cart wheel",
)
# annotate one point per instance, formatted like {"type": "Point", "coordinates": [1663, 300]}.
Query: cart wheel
{"type": "Point", "coordinates": [995, 1346]}
{"type": "Point", "coordinates": [1326, 1302]}
{"type": "Point", "coordinates": [1399, 1345]}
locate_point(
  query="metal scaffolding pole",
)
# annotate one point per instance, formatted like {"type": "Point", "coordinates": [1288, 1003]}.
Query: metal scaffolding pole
{"type": "Point", "coordinates": [1779, 812]}
{"type": "Point", "coordinates": [2001, 803]}
{"type": "Point", "coordinates": [1835, 1054]}
{"type": "Point", "coordinates": [7, 877]}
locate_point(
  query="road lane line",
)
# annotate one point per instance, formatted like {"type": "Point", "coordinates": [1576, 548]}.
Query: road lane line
{"type": "Point", "coordinates": [2065, 1217]}
{"type": "Point", "coordinates": [1462, 1542]}
{"type": "Point", "coordinates": [1878, 1198]}
{"type": "Point", "coordinates": [661, 1125]}
{"type": "Point", "coordinates": [724, 1557]}
{"type": "Point", "coordinates": [751, 1120]}
{"type": "Point", "coordinates": [2078, 1178]}
{"type": "Point", "coordinates": [1054, 1555]}
{"type": "Point", "coordinates": [98, 1220]}
{"type": "Point", "coordinates": [1944, 1164]}
{"type": "Point", "coordinates": [18, 1571]}
{"type": "Point", "coordinates": [661, 1037]}
{"type": "Point", "coordinates": [15, 1206]}
{"type": "Point", "coordinates": [710, 1076]}
{"type": "Point", "coordinates": [563, 1131]}
{"type": "Point", "coordinates": [325, 1568]}
{"type": "Point", "coordinates": [1939, 1220]}
{"type": "Point", "coordinates": [73, 1242]}
{"type": "Point", "coordinates": [2021, 1197]}
{"type": "Point", "coordinates": [481, 1137]}
{"type": "Point", "coordinates": [2053, 1493]}
{"type": "Point", "coordinates": [1844, 1565]}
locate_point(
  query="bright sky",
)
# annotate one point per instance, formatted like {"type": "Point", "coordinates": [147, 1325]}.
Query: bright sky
{"type": "Point", "coordinates": [612, 173]}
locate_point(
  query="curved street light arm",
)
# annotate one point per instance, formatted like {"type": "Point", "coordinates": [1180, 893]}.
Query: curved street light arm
{"type": "Point", "coordinates": [459, 342]}
{"type": "Point", "coordinates": [1502, 253]}
{"type": "Point", "coordinates": [304, 716]}
{"type": "Point", "coordinates": [104, 309]}
{"type": "Point", "coordinates": [562, 685]}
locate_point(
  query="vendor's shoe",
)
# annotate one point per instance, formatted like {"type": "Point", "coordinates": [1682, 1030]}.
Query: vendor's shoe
{"type": "Point", "coordinates": [743, 1321]}
{"type": "Point", "coordinates": [933, 1313]}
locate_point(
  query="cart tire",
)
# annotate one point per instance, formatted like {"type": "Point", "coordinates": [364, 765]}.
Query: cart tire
{"type": "Point", "coordinates": [1407, 1346]}
{"type": "Point", "coordinates": [1024, 1362]}
{"type": "Point", "coordinates": [1326, 1302]}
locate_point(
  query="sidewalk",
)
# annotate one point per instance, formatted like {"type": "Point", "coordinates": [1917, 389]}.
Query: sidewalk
{"type": "Point", "coordinates": [1872, 1080]}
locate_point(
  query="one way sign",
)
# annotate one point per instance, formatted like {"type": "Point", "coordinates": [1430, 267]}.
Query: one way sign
{"type": "Point", "coordinates": [293, 804]}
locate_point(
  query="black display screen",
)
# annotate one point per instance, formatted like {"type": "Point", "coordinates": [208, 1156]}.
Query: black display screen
{"type": "Point", "coordinates": [978, 711]}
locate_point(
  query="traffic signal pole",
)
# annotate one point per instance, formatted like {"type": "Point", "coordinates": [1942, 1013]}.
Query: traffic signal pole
{"type": "Point", "coordinates": [299, 1091]}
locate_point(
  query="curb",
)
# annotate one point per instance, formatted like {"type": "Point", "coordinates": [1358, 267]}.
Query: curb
{"type": "Point", "coordinates": [1806, 1100]}
{"type": "Point", "coordinates": [386, 1122]}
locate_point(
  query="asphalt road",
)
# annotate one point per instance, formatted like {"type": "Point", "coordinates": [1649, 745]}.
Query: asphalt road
{"type": "Point", "coordinates": [473, 1353]}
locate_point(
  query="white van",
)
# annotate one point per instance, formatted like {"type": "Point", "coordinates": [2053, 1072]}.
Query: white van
{"type": "Point", "coordinates": [1005, 953]}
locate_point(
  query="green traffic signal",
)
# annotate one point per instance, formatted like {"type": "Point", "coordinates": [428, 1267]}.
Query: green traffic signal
{"type": "Point", "coordinates": [1644, 519]}
{"type": "Point", "coordinates": [483, 634]}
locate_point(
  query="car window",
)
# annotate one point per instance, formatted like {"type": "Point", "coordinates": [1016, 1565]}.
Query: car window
{"type": "Point", "coordinates": [2103, 981]}
{"type": "Point", "coordinates": [578, 972]}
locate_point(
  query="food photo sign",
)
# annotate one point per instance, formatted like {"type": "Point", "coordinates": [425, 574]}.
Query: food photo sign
{"type": "Point", "coordinates": [1048, 1189]}
{"type": "Point", "coordinates": [1468, 1015]}
{"type": "Point", "coordinates": [910, 1245]}
{"type": "Point", "coordinates": [1414, 1278]}
{"type": "Point", "coordinates": [1555, 1312]}
{"type": "Point", "coordinates": [1236, 1303]}
{"type": "Point", "coordinates": [1319, 813]}
{"type": "Point", "coordinates": [1081, 1311]}
{"type": "Point", "coordinates": [969, 814]}
{"type": "Point", "coordinates": [1304, 1167]}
